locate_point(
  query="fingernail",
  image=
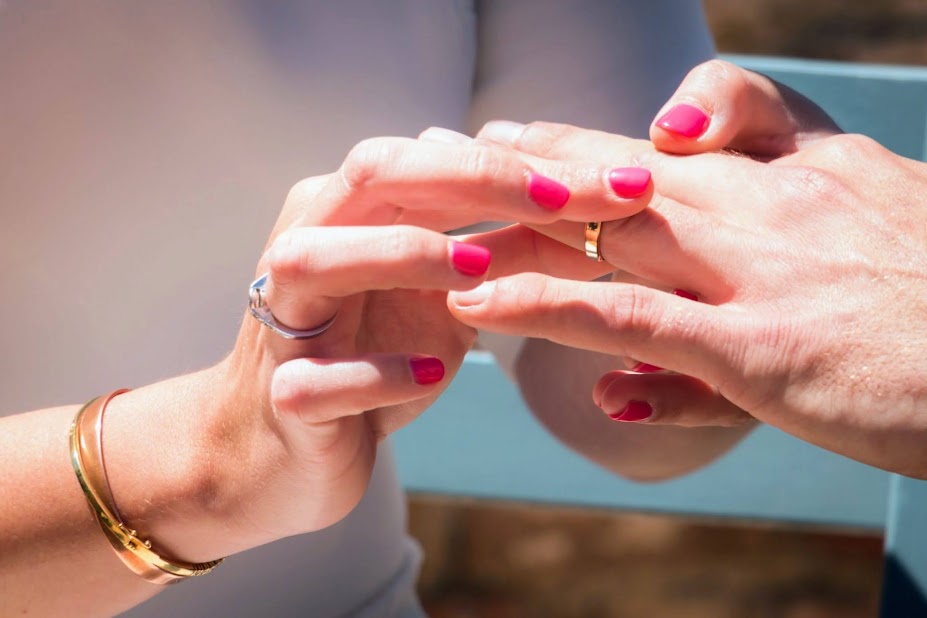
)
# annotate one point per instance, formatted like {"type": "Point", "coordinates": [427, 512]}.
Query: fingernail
{"type": "Point", "coordinates": [685, 294]}
{"type": "Point", "coordinates": [476, 296]}
{"type": "Point", "coordinates": [684, 120]}
{"type": "Point", "coordinates": [427, 370]}
{"type": "Point", "coordinates": [646, 368]}
{"type": "Point", "coordinates": [634, 411]}
{"type": "Point", "coordinates": [502, 131]}
{"type": "Point", "coordinates": [439, 134]}
{"type": "Point", "coordinates": [547, 192]}
{"type": "Point", "coordinates": [470, 260]}
{"type": "Point", "coordinates": [629, 181]}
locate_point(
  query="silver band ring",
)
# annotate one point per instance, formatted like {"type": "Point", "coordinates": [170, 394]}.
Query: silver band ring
{"type": "Point", "coordinates": [261, 312]}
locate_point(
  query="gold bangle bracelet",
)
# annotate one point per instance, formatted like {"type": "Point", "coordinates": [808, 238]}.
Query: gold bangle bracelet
{"type": "Point", "coordinates": [87, 461]}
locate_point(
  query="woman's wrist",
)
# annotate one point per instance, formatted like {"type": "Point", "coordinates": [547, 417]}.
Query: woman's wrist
{"type": "Point", "coordinates": [173, 453]}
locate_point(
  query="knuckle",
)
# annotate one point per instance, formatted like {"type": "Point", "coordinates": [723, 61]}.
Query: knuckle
{"type": "Point", "coordinates": [615, 233]}
{"type": "Point", "coordinates": [289, 394]}
{"type": "Point", "coordinates": [304, 191]}
{"type": "Point", "coordinates": [840, 150]}
{"type": "Point", "coordinates": [287, 258]}
{"type": "Point", "coordinates": [718, 76]}
{"type": "Point", "coordinates": [482, 166]}
{"type": "Point", "coordinates": [402, 240]}
{"type": "Point", "coordinates": [367, 160]}
{"type": "Point", "coordinates": [853, 143]}
{"type": "Point", "coordinates": [714, 70]}
{"type": "Point", "coordinates": [525, 296]}
{"type": "Point", "coordinates": [541, 138]}
{"type": "Point", "coordinates": [633, 309]}
{"type": "Point", "coordinates": [807, 184]}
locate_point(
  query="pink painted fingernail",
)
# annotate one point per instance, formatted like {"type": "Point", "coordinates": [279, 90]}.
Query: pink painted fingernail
{"type": "Point", "coordinates": [634, 411]}
{"type": "Point", "coordinates": [646, 368]}
{"type": "Point", "coordinates": [547, 192]}
{"type": "Point", "coordinates": [685, 294]}
{"type": "Point", "coordinates": [684, 120]}
{"type": "Point", "coordinates": [470, 260]}
{"type": "Point", "coordinates": [629, 181]}
{"type": "Point", "coordinates": [427, 370]}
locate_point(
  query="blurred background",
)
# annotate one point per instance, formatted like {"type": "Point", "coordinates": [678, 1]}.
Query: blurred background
{"type": "Point", "coordinates": [497, 560]}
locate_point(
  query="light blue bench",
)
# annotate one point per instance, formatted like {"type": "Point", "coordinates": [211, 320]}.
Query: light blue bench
{"type": "Point", "coordinates": [479, 440]}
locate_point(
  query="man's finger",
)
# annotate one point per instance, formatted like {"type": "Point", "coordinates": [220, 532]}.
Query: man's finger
{"type": "Point", "coordinates": [619, 319]}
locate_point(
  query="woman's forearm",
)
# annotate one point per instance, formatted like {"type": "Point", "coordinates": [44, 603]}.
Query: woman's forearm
{"type": "Point", "coordinates": [54, 558]}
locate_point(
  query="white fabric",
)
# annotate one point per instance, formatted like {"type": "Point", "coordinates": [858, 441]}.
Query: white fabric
{"type": "Point", "coordinates": [146, 149]}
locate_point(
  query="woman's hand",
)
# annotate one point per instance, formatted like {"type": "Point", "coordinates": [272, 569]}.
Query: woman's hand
{"type": "Point", "coordinates": [314, 409]}
{"type": "Point", "coordinates": [720, 105]}
{"type": "Point", "coordinates": [809, 276]}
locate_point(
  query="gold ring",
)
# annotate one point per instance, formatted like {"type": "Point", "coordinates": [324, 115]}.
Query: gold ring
{"type": "Point", "coordinates": [593, 229]}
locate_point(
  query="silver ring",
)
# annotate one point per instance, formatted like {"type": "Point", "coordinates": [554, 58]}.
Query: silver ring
{"type": "Point", "coordinates": [262, 313]}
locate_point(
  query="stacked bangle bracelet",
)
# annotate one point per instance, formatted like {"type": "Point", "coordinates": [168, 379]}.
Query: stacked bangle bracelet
{"type": "Point", "coordinates": [87, 460]}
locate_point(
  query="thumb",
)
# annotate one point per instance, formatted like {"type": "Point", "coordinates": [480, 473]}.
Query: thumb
{"type": "Point", "coordinates": [721, 105]}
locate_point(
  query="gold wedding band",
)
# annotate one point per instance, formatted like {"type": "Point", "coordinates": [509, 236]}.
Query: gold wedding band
{"type": "Point", "coordinates": [593, 229]}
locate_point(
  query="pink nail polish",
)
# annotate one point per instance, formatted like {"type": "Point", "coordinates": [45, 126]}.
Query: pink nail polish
{"type": "Point", "coordinates": [629, 181]}
{"type": "Point", "coordinates": [684, 120]}
{"type": "Point", "coordinates": [427, 370]}
{"type": "Point", "coordinates": [646, 368]}
{"type": "Point", "coordinates": [470, 260]}
{"type": "Point", "coordinates": [546, 192]}
{"type": "Point", "coordinates": [634, 411]}
{"type": "Point", "coordinates": [685, 294]}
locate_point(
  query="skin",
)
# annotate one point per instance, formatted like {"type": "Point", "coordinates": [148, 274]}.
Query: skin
{"type": "Point", "coordinates": [808, 266]}
{"type": "Point", "coordinates": [556, 380]}
{"type": "Point", "coordinates": [280, 438]}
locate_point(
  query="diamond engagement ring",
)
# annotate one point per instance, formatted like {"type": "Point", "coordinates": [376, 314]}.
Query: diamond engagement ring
{"type": "Point", "coordinates": [261, 312]}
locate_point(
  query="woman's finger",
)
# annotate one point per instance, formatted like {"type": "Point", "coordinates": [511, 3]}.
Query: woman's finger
{"type": "Point", "coordinates": [398, 180]}
{"type": "Point", "coordinates": [721, 105]}
{"type": "Point", "coordinates": [713, 182]}
{"type": "Point", "coordinates": [623, 320]}
{"type": "Point", "coordinates": [317, 391]}
{"type": "Point", "coordinates": [665, 399]}
{"type": "Point", "coordinates": [518, 249]}
{"type": "Point", "coordinates": [447, 136]}
{"type": "Point", "coordinates": [312, 268]}
{"type": "Point", "coordinates": [552, 140]}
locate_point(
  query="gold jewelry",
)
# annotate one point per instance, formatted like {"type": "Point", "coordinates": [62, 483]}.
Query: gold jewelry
{"type": "Point", "coordinates": [593, 229]}
{"type": "Point", "coordinates": [87, 460]}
